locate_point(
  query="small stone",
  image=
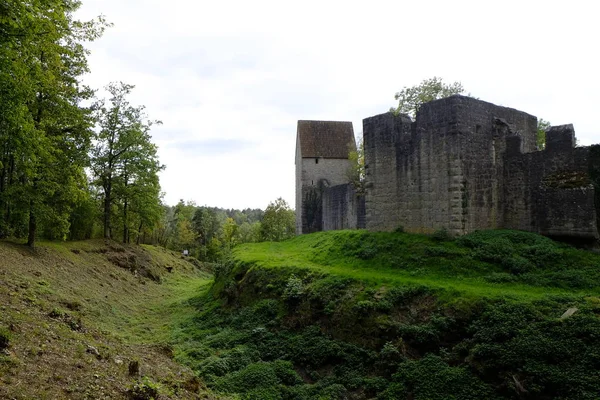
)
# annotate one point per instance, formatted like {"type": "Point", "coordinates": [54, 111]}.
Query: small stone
{"type": "Point", "coordinates": [569, 312]}
{"type": "Point", "coordinates": [93, 350]}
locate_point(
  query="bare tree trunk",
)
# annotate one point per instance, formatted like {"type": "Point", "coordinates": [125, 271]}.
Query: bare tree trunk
{"type": "Point", "coordinates": [32, 227]}
{"type": "Point", "coordinates": [125, 228]}
{"type": "Point", "coordinates": [107, 201]}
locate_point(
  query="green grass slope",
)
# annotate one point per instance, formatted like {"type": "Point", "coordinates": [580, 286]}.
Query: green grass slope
{"type": "Point", "coordinates": [359, 315]}
{"type": "Point", "coordinates": [75, 316]}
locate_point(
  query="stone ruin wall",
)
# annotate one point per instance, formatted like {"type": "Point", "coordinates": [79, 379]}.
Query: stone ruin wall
{"type": "Point", "coordinates": [311, 187]}
{"type": "Point", "coordinates": [465, 164]}
{"type": "Point", "coordinates": [552, 192]}
{"type": "Point", "coordinates": [343, 208]}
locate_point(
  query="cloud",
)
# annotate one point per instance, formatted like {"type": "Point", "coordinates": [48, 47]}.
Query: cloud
{"type": "Point", "coordinates": [230, 79]}
{"type": "Point", "coordinates": [211, 147]}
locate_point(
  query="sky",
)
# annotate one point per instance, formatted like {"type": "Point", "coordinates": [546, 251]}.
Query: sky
{"type": "Point", "coordinates": [230, 79]}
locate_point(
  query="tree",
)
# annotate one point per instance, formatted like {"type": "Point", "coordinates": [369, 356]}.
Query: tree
{"type": "Point", "coordinates": [205, 225]}
{"type": "Point", "coordinates": [279, 221]}
{"type": "Point", "coordinates": [124, 160]}
{"type": "Point", "coordinates": [44, 132]}
{"type": "Point", "coordinates": [230, 233]}
{"type": "Point", "coordinates": [356, 172]}
{"type": "Point", "coordinates": [542, 127]}
{"type": "Point", "coordinates": [411, 98]}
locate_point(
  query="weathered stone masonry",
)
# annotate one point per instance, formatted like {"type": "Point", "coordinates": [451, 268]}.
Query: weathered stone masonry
{"type": "Point", "coordinates": [465, 164]}
{"type": "Point", "coordinates": [324, 199]}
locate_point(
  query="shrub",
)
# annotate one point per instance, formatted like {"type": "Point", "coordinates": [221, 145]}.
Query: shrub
{"type": "Point", "coordinates": [144, 389]}
{"type": "Point", "coordinates": [257, 375]}
{"type": "Point", "coordinates": [442, 382]}
{"type": "Point", "coordinates": [441, 235]}
{"type": "Point", "coordinates": [294, 289]}
{"type": "Point", "coordinates": [270, 393]}
{"type": "Point", "coordinates": [517, 265]}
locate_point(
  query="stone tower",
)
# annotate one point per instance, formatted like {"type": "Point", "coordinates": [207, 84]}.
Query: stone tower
{"type": "Point", "coordinates": [322, 149]}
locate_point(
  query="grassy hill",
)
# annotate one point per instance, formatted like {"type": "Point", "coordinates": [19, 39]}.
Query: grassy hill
{"type": "Point", "coordinates": [74, 317]}
{"type": "Point", "coordinates": [359, 315]}
{"type": "Point", "coordinates": [332, 315]}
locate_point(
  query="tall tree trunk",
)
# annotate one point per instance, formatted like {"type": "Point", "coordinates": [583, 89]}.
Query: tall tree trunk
{"type": "Point", "coordinates": [125, 228]}
{"type": "Point", "coordinates": [107, 201]}
{"type": "Point", "coordinates": [125, 224]}
{"type": "Point", "coordinates": [32, 227]}
{"type": "Point", "coordinates": [11, 174]}
{"type": "Point", "coordinates": [139, 235]}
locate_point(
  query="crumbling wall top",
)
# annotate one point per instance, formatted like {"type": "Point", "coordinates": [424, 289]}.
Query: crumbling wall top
{"type": "Point", "coordinates": [560, 138]}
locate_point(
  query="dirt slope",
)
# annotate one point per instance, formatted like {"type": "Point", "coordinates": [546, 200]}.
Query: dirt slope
{"type": "Point", "coordinates": [79, 316]}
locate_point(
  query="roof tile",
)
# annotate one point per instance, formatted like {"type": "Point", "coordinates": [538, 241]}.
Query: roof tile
{"type": "Point", "coordinates": [326, 139]}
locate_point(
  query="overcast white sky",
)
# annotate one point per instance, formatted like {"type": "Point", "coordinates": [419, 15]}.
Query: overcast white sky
{"type": "Point", "coordinates": [230, 79]}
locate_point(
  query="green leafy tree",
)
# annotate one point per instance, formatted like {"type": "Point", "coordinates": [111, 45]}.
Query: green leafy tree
{"type": "Point", "coordinates": [411, 98]}
{"type": "Point", "coordinates": [250, 232]}
{"type": "Point", "coordinates": [182, 234]}
{"type": "Point", "coordinates": [44, 132]}
{"type": "Point", "coordinates": [124, 161]}
{"type": "Point", "coordinates": [356, 172]}
{"type": "Point", "coordinates": [279, 221]}
{"type": "Point", "coordinates": [230, 233]}
{"type": "Point", "coordinates": [137, 186]}
{"type": "Point", "coordinates": [542, 127]}
{"type": "Point", "coordinates": [205, 224]}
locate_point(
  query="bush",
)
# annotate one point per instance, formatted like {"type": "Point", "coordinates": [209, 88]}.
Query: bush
{"type": "Point", "coordinates": [517, 265]}
{"type": "Point", "coordinates": [441, 235]}
{"type": "Point", "coordinates": [144, 389]}
{"type": "Point", "coordinates": [254, 376]}
{"type": "Point", "coordinates": [294, 289]}
{"type": "Point", "coordinates": [442, 382]}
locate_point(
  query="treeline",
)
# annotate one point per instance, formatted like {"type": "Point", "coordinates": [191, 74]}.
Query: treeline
{"type": "Point", "coordinates": [209, 233]}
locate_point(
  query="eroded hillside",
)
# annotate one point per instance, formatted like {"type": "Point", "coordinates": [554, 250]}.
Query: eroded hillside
{"type": "Point", "coordinates": [76, 320]}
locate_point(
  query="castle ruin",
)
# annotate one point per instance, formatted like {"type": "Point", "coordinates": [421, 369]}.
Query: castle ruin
{"type": "Point", "coordinates": [462, 165]}
{"type": "Point", "coordinates": [323, 192]}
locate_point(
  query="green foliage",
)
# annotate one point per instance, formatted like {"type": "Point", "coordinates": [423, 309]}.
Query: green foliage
{"type": "Point", "coordinates": [259, 378]}
{"type": "Point", "coordinates": [356, 172]}
{"type": "Point", "coordinates": [294, 289]}
{"type": "Point", "coordinates": [279, 221]}
{"type": "Point", "coordinates": [44, 131]}
{"type": "Point", "coordinates": [441, 235]}
{"type": "Point", "coordinates": [410, 99]}
{"type": "Point", "coordinates": [374, 313]}
{"type": "Point", "coordinates": [144, 389]}
{"type": "Point", "coordinates": [125, 164]}
{"type": "Point", "coordinates": [443, 382]}
{"type": "Point", "coordinates": [542, 127]}
{"type": "Point", "coordinates": [549, 357]}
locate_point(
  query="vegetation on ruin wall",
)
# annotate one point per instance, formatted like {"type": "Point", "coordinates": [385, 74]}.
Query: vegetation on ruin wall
{"type": "Point", "coordinates": [352, 314]}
